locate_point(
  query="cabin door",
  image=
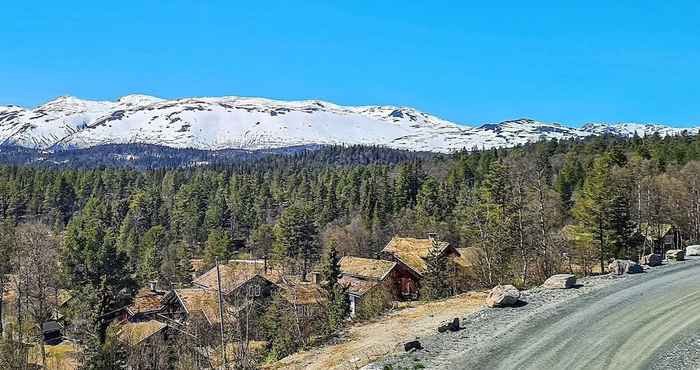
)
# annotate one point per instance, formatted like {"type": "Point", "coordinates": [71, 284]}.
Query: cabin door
{"type": "Point", "coordinates": [408, 288]}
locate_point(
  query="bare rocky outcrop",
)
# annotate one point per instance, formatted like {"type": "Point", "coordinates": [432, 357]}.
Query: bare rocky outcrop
{"type": "Point", "coordinates": [560, 281]}
{"type": "Point", "coordinates": [503, 296]}
{"type": "Point", "coordinates": [692, 250]}
{"type": "Point", "coordinates": [652, 260]}
{"type": "Point", "coordinates": [619, 267]}
{"type": "Point", "coordinates": [675, 255]}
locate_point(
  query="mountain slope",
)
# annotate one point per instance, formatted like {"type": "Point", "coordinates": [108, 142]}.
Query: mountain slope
{"type": "Point", "coordinates": [256, 123]}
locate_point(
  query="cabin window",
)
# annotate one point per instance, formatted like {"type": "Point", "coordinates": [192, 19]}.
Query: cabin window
{"type": "Point", "coordinates": [305, 311]}
{"type": "Point", "coordinates": [254, 291]}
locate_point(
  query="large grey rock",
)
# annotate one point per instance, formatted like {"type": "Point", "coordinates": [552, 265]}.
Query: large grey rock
{"type": "Point", "coordinates": [692, 250]}
{"type": "Point", "coordinates": [652, 260]}
{"type": "Point", "coordinates": [675, 255]}
{"type": "Point", "coordinates": [560, 281]}
{"type": "Point", "coordinates": [503, 296]}
{"type": "Point", "coordinates": [619, 267]}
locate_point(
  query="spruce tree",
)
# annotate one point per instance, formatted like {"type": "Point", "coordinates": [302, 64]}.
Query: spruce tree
{"type": "Point", "coordinates": [91, 259]}
{"type": "Point", "coordinates": [435, 284]}
{"type": "Point", "coordinates": [593, 206]}
{"type": "Point", "coordinates": [338, 304]}
{"type": "Point", "coordinates": [296, 237]}
{"type": "Point", "coordinates": [218, 246]}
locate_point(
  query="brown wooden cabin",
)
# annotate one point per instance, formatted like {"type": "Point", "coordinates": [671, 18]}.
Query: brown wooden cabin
{"type": "Point", "coordinates": [308, 300]}
{"type": "Point", "coordinates": [366, 277]}
{"type": "Point", "coordinates": [410, 254]}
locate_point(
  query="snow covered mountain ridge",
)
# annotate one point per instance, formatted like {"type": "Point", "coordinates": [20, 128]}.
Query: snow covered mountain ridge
{"type": "Point", "coordinates": [256, 123]}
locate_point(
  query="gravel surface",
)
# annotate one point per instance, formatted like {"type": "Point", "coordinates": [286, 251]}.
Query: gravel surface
{"type": "Point", "coordinates": [641, 321]}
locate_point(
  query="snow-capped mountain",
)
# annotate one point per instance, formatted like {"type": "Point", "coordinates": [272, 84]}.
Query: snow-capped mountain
{"type": "Point", "coordinates": [256, 123]}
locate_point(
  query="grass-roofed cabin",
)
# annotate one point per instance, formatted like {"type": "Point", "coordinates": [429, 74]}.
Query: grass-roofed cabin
{"type": "Point", "coordinates": [371, 284]}
{"type": "Point", "coordinates": [411, 255]}
{"type": "Point", "coordinates": [242, 281]}
{"type": "Point", "coordinates": [308, 300]}
{"type": "Point", "coordinates": [146, 305]}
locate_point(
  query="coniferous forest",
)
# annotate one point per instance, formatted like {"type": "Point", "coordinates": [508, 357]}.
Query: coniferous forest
{"type": "Point", "coordinates": [102, 233]}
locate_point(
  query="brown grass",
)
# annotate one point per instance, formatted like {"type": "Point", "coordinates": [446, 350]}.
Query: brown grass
{"type": "Point", "coordinates": [366, 342]}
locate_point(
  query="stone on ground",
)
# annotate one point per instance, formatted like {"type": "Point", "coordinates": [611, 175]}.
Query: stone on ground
{"type": "Point", "coordinates": [675, 255]}
{"type": "Point", "coordinates": [652, 260]}
{"type": "Point", "coordinates": [454, 325]}
{"type": "Point", "coordinates": [413, 345]}
{"type": "Point", "coordinates": [692, 250]}
{"type": "Point", "coordinates": [560, 281]}
{"type": "Point", "coordinates": [503, 296]}
{"type": "Point", "coordinates": [619, 267]}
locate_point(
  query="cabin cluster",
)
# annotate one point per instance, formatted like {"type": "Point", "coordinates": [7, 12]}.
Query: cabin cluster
{"type": "Point", "coordinates": [375, 283]}
{"type": "Point", "coordinates": [237, 292]}
{"type": "Point", "coordinates": [244, 289]}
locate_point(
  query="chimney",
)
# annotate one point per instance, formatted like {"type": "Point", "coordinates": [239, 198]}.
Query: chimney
{"type": "Point", "coordinates": [433, 236]}
{"type": "Point", "coordinates": [152, 285]}
{"type": "Point", "coordinates": [315, 276]}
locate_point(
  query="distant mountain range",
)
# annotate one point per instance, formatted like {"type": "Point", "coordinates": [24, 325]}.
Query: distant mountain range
{"type": "Point", "coordinates": [213, 123]}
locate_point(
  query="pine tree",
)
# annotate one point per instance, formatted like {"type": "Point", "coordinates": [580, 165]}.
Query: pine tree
{"type": "Point", "coordinates": [91, 259]}
{"type": "Point", "coordinates": [155, 242]}
{"type": "Point", "coordinates": [428, 203]}
{"type": "Point", "coordinates": [620, 223]}
{"type": "Point", "coordinates": [338, 304]}
{"type": "Point", "coordinates": [296, 237]}
{"type": "Point", "coordinates": [218, 246]}
{"type": "Point", "coordinates": [593, 205]}
{"type": "Point", "coordinates": [435, 284]}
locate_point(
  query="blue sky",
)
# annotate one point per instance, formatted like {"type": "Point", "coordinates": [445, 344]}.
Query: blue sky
{"type": "Point", "coordinates": [469, 62]}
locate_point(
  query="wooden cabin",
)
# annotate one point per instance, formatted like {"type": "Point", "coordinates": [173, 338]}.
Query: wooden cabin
{"type": "Point", "coordinates": [371, 284]}
{"type": "Point", "coordinates": [241, 280]}
{"type": "Point", "coordinates": [411, 255]}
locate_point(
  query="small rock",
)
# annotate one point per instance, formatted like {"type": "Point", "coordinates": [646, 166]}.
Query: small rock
{"type": "Point", "coordinates": [692, 250]}
{"type": "Point", "coordinates": [502, 296]}
{"type": "Point", "coordinates": [560, 281]}
{"type": "Point", "coordinates": [619, 267]}
{"type": "Point", "coordinates": [413, 345]}
{"type": "Point", "coordinates": [675, 255]}
{"type": "Point", "coordinates": [454, 325]}
{"type": "Point", "coordinates": [651, 260]}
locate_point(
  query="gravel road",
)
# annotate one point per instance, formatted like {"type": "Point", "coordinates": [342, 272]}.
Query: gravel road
{"type": "Point", "coordinates": [642, 321]}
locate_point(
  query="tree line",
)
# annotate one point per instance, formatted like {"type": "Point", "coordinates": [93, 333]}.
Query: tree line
{"type": "Point", "coordinates": [528, 211]}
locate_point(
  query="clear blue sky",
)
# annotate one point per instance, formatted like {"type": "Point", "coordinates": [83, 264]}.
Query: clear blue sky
{"type": "Point", "coordinates": [470, 62]}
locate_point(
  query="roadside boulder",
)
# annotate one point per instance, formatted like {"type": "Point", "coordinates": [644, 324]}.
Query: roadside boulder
{"type": "Point", "coordinates": [692, 250]}
{"type": "Point", "coordinates": [503, 296]}
{"type": "Point", "coordinates": [652, 260]}
{"type": "Point", "coordinates": [560, 281]}
{"type": "Point", "coordinates": [675, 255]}
{"type": "Point", "coordinates": [413, 345]}
{"type": "Point", "coordinates": [619, 267]}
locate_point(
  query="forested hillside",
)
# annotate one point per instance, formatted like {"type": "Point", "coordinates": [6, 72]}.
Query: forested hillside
{"type": "Point", "coordinates": [530, 211]}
